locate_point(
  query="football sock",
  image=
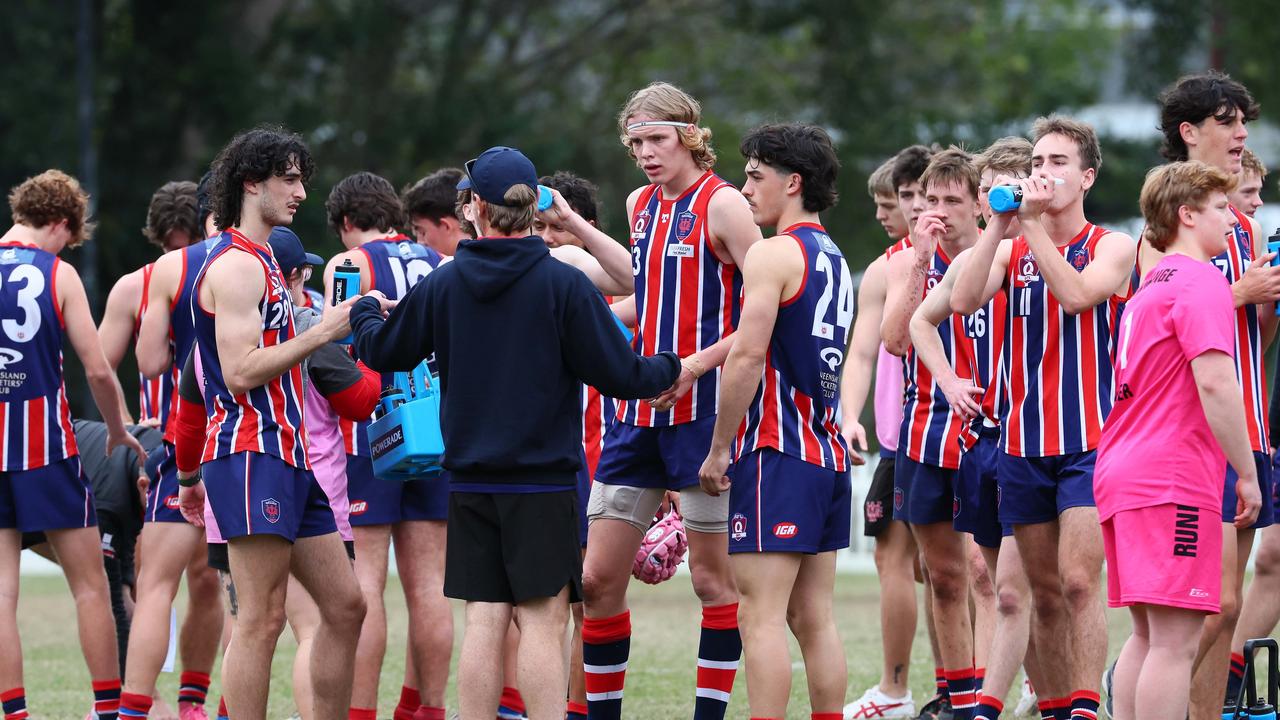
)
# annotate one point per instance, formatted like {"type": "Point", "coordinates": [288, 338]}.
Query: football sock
{"type": "Point", "coordinates": [606, 644]}
{"type": "Point", "coordinates": [14, 702]}
{"type": "Point", "coordinates": [134, 705]}
{"type": "Point", "coordinates": [356, 713]}
{"type": "Point", "coordinates": [1084, 705]}
{"type": "Point", "coordinates": [989, 708]}
{"type": "Point", "coordinates": [1235, 678]}
{"type": "Point", "coordinates": [575, 711]}
{"type": "Point", "coordinates": [428, 713]}
{"type": "Point", "coordinates": [719, 650]}
{"type": "Point", "coordinates": [106, 699]}
{"type": "Point", "coordinates": [960, 686]}
{"type": "Point", "coordinates": [408, 705]}
{"type": "Point", "coordinates": [511, 701]}
{"type": "Point", "coordinates": [193, 687]}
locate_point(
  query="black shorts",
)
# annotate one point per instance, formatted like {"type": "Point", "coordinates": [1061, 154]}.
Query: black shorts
{"type": "Point", "coordinates": [218, 555]}
{"type": "Point", "coordinates": [510, 548]}
{"type": "Point", "coordinates": [877, 509]}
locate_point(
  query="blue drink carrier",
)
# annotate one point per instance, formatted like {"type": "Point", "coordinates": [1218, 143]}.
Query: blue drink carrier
{"type": "Point", "coordinates": [405, 442]}
{"type": "Point", "coordinates": [1248, 704]}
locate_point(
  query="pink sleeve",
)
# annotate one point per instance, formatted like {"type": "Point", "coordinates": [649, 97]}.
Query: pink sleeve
{"type": "Point", "coordinates": [1203, 315]}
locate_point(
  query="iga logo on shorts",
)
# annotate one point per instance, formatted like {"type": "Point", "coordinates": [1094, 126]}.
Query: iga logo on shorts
{"type": "Point", "coordinates": [171, 502]}
{"type": "Point", "coordinates": [271, 510]}
{"type": "Point", "coordinates": [738, 526]}
{"type": "Point", "coordinates": [785, 530]}
{"type": "Point", "coordinates": [359, 507]}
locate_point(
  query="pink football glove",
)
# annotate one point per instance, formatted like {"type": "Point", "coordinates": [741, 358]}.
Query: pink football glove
{"type": "Point", "coordinates": [661, 551]}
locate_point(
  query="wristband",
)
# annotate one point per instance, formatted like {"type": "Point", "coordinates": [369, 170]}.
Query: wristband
{"type": "Point", "coordinates": [191, 481]}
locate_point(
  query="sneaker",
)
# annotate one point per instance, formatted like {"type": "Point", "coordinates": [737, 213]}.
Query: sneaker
{"type": "Point", "coordinates": [191, 711]}
{"type": "Point", "coordinates": [1106, 690]}
{"type": "Point", "coordinates": [1028, 703]}
{"type": "Point", "coordinates": [506, 713]}
{"type": "Point", "coordinates": [938, 708]}
{"type": "Point", "coordinates": [875, 704]}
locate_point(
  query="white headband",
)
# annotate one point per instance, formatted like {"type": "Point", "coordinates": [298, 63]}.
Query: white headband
{"type": "Point", "coordinates": [659, 123]}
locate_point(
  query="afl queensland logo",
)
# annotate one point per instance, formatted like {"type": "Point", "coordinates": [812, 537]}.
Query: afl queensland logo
{"type": "Point", "coordinates": [641, 224]}
{"type": "Point", "coordinates": [738, 526]}
{"type": "Point", "coordinates": [271, 510]}
{"type": "Point", "coordinates": [407, 250]}
{"type": "Point", "coordinates": [1028, 270]}
{"type": "Point", "coordinates": [9, 356]}
{"type": "Point", "coordinates": [832, 357]}
{"type": "Point", "coordinates": [684, 225]}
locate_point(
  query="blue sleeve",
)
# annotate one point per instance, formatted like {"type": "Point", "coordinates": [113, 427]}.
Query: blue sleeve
{"type": "Point", "coordinates": [601, 357]}
{"type": "Point", "coordinates": [402, 340]}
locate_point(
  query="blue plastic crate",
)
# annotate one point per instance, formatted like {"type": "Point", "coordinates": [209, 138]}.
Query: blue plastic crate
{"type": "Point", "coordinates": [406, 442]}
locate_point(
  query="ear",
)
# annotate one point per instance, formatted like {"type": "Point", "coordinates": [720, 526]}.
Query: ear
{"type": "Point", "coordinates": [1185, 216]}
{"type": "Point", "coordinates": [346, 224]}
{"type": "Point", "coordinates": [1189, 132]}
{"type": "Point", "coordinates": [1088, 178]}
{"type": "Point", "coordinates": [795, 184]}
{"type": "Point", "coordinates": [251, 187]}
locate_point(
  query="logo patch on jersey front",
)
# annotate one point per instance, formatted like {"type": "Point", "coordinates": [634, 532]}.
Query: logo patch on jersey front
{"type": "Point", "coordinates": [641, 225]}
{"type": "Point", "coordinates": [681, 250]}
{"type": "Point", "coordinates": [1028, 270]}
{"type": "Point", "coordinates": [832, 357]}
{"type": "Point", "coordinates": [684, 224]}
{"type": "Point", "coordinates": [16, 256]}
{"type": "Point", "coordinates": [271, 510]}
{"type": "Point", "coordinates": [738, 527]}
{"type": "Point", "coordinates": [9, 356]}
{"type": "Point", "coordinates": [1079, 259]}
{"type": "Point", "coordinates": [785, 530]}
{"type": "Point", "coordinates": [826, 243]}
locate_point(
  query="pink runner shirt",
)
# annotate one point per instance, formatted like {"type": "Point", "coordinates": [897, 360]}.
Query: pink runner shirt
{"type": "Point", "coordinates": [1156, 445]}
{"type": "Point", "coordinates": [888, 400]}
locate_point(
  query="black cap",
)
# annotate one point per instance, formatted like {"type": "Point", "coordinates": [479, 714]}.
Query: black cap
{"type": "Point", "coordinates": [496, 171]}
{"type": "Point", "coordinates": [288, 250]}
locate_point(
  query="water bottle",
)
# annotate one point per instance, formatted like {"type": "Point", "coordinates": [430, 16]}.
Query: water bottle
{"type": "Point", "coordinates": [390, 399]}
{"type": "Point", "coordinates": [545, 199]}
{"type": "Point", "coordinates": [1273, 246]}
{"type": "Point", "coordinates": [346, 284]}
{"type": "Point", "coordinates": [1006, 198]}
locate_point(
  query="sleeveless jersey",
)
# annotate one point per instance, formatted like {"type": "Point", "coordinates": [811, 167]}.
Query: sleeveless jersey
{"type": "Point", "coordinates": [155, 395]}
{"type": "Point", "coordinates": [35, 420]}
{"type": "Point", "coordinates": [266, 419]}
{"type": "Point", "coordinates": [984, 353]}
{"type": "Point", "coordinates": [888, 387]}
{"type": "Point", "coordinates": [598, 414]}
{"type": "Point", "coordinates": [182, 329]}
{"type": "Point", "coordinates": [396, 264]}
{"type": "Point", "coordinates": [931, 433]}
{"type": "Point", "coordinates": [1233, 263]}
{"type": "Point", "coordinates": [1060, 370]}
{"type": "Point", "coordinates": [687, 297]}
{"type": "Point", "coordinates": [796, 410]}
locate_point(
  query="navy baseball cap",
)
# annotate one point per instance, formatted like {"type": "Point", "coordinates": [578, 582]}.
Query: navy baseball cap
{"type": "Point", "coordinates": [496, 171]}
{"type": "Point", "coordinates": [288, 250]}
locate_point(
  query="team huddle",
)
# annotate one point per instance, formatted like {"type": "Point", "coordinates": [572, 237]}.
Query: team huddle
{"type": "Point", "coordinates": [1049, 397]}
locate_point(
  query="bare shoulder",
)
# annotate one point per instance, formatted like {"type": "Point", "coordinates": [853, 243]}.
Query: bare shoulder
{"type": "Point", "coordinates": [780, 253]}
{"type": "Point", "coordinates": [129, 284]}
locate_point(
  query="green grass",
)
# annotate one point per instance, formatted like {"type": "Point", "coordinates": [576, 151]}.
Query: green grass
{"type": "Point", "coordinates": [660, 679]}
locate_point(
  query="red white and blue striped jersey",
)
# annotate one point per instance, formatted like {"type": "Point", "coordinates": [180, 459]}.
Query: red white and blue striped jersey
{"type": "Point", "coordinates": [986, 359]}
{"type": "Point", "coordinates": [182, 312]}
{"type": "Point", "coordinates": [1061, 372]}
{"type": "Point", "coordinates": [266, 419]}
{"type": "Point", "coordinates": [1249, 371]}
{"type": "Point", "coordinates": [931, 433]}
{"type": "Point", "coordinates": [396, 264]}
{"type": "Point", "coordinates": [796, 410]}
{"type": "Point", "coordinates": [598, 415]}
{"type": "Point", "coordinates": [35, 420]}
{"type": "Point", "coordinates": [687, 297]}
{"type": "Point", "coordinates": [155, 395]}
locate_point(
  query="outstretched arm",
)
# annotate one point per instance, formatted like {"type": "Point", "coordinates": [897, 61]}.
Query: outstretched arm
{"type": "Point", "coordinates": [907, 276]}
{"type": "Point", "coordinates": [984, 272]}
{"type": "Point", "coordinates": [1215, 375]}
{"type": "Point", "coordinates": [116, 328]}
{"type": "Point", "coordinates": [155, 357]}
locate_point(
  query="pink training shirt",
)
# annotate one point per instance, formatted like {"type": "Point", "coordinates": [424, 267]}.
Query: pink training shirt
{"type": "Point", "coordinates": [888, 400]}
{"type": "Point", "coordinates": [1156, 446]}
{"type": "Point", "coordinates": [328, 456]}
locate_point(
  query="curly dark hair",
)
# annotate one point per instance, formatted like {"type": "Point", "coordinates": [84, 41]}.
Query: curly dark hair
{"type": "Point", "coordinates": [580, 193]}
{"type": "Point", "coordinates": [909, 164]}
{"type": "Point", "coordinates": [1196, 98]}
{"type": "Point", "coordinates": [253, 156]}
{"type": "Point", "coordinates": [173, 207]}
{"type": "Point", "coordinates": [202, 198]}
{"type": "Point", "coordinates": [433, 196]}
{"type": "Point", "coordinates": [369, 201]}
{"type": "Point", "coordinates": [802, 149]}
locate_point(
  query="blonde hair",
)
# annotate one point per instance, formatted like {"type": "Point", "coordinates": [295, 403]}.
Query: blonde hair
{"type": "Point", "coordinates": [1009, 155]}
{"type": "Point", "coordinates": [951, 165]}
{"type": "Point", "coordinates": [1078, 131]}
{"type": "Point", "coordinates": [881, 181]}
{"type": "Point", "coordinates": [1251, 163]}
{"type": "Point", "coordinates": [516, 214]}
{"type": "Point", "coordinates": [664, 101]}
{"type": "Point", "coordinates": [49, 197]}
{"type": "Point", "coordinates": [1173, 186]}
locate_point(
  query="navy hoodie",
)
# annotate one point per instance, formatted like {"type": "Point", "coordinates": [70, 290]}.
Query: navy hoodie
{"type": "Point", "coordinates": [514, 332]}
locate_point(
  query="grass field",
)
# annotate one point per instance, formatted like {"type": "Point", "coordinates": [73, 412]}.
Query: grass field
{"type": "Point", "coordinates": [659, 680]}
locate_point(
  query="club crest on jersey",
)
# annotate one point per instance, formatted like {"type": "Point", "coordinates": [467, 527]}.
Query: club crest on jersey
{"type": "Point", "coordinates": [898, 498]}
{"type": "Point", "coordinates": [738, 526]}
{"type": "Point", "coordinates": [1079, 259]}
{"type": "Point", "coordinates": [271, 510]}
{"type": "Point", "coordinates": [1028, 270]}
{"type": "Point", "coordinates": [9, 356]}
{"type": "Point", "coordinates": [684, 225]}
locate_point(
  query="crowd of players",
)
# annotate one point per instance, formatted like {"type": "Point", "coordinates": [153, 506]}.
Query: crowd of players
{"type": "Point", "coordinates": [1020, 333]}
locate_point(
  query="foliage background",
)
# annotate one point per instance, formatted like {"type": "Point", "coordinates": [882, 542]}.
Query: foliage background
{"type": "Point", "coordinates": [403, 87]}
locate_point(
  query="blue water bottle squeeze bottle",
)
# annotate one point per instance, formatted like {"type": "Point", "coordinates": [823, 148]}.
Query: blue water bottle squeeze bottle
{"type": "Point", "coordinates": [346, 284]}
